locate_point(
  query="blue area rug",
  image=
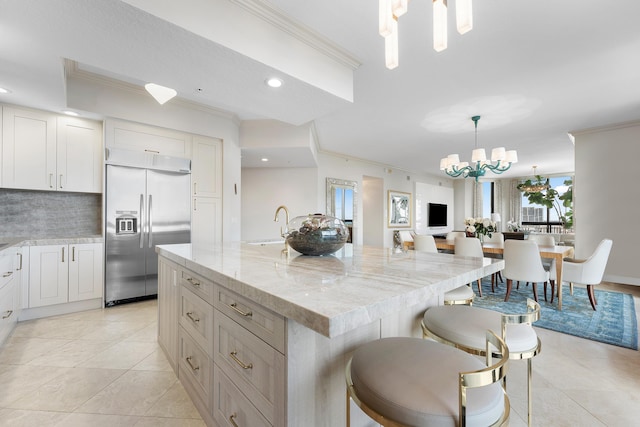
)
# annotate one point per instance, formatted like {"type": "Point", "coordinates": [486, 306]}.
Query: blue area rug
{"type": "Point", "coordinates": [614, 322]}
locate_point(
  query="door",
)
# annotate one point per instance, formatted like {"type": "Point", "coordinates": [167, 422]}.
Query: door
{"type": "Point", "coordinates": [28, 149]}
{"type": "Point", "coordinates": [85, 271]}
{"type": "Point", "coordinates": [48, 275]}
{"type": "Point", "coordinates": [169, 216]}
{"type": "Point", "coordinates": [79, 155]}
{"type": "Point", "coordinates": [125, 257]}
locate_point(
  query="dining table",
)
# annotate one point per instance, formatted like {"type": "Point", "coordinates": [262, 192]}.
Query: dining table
{"type": "Point", "coordinates": [556, 252]}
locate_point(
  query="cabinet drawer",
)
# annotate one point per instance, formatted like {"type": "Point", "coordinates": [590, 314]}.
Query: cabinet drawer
{"type": "Point", "coordinates": [196, 317]}
{"type": "Point", "coordinates": [6, 268]}
{"type": "Point", "coordinates": [8, 312]}
{"type": "Point", "coordinates": [198, 284]}
{"type": "Point", "coordinates": [266, 324]}
{"type": "Point", "coordinates": [254, 366]}
{"type": "Point", "coordinates": [230, 407]}
{"type": "Point", "coordinates": [194, 367]}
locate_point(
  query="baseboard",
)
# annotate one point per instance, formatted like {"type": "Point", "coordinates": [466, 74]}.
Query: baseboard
{"type": "Point", "coordinates": [58, 309]}
{"type": "Point", "coordinates": [624, 280]}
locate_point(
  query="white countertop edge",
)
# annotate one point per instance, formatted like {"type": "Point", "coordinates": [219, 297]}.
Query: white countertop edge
{"type": "Point", "coordinates": [331, 326]}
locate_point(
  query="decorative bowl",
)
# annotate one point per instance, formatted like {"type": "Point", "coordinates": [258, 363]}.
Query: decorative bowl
{"type": "Point", "coordinates": [316, 234]}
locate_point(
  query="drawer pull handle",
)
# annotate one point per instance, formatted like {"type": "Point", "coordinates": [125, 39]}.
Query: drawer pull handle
{"type": "Point", "coordinates": [234, 306]}
{"type": "Point", "coordinates": [193, 319]}
{"type": "Point", "coordinates": [232, 421]}
{"type": "Point", "coordinates": [195, 368]}
{"type": "Point", "coordinates": [233, 355]}
{"type": "Point", "coordinates": [7, 274]}
{"type": "Point", "coordinates": [193, 282]}
{"type": "Point", "coordinates": [9, 313]}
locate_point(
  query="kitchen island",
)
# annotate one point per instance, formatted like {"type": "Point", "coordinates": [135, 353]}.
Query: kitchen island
{"type": "Point", "coordinates": [261, 336]}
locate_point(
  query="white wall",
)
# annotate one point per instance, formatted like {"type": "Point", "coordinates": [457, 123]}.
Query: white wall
{"type": "Point", "coordinates": [606, 197]}
{"type": "Point", "coordinates": [267, 188]}
{"type": "Point", "coordinates": [425, 194]}
{"type": "Point", "coordinates": [373, 208]}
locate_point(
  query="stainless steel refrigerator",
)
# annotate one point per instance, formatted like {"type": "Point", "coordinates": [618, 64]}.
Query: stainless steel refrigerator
{"type": "Point", "coordinates": [147, 204]}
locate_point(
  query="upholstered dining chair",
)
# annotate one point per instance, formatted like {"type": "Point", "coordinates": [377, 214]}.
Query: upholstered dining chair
{"type": "Point", "coordinates": [588, 271]}
{"type": "Point", "coordinates": [471, 247]}
{"type": "Point", "coordinates": [463, 328]}
{"type": "Point", "coordinates": [522, 263]}
{"type": "Point", "coordinates": [404, 381]}
{"type": "Point", "coordinates": [460, 295]}
{"type": "Point", "coordinates": [452, 235]}
{"type": "Point", "coordinates": [424, 243]}
{"type": "Point", "coordinates": [549, 264]}
{"type": "Point", "coordinates": [495, 238]}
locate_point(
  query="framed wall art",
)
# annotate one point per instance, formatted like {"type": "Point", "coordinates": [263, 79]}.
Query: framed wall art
{"type": "Point", "coordinates": [399, 209]}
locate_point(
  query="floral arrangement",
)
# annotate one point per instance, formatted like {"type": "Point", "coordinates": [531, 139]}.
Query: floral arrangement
{"type": "Point", "coordinates": [479, 226]}
{"type": "Point", "coordinates": [513, 226]}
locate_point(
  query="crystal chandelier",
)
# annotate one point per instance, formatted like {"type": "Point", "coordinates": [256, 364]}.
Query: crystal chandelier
{"type": "Point", "coordinates": [391, 10]}
{"type": "Point", "coordinates": [503, 160]}
{"type": "Point", "coordinates": [537, 186]}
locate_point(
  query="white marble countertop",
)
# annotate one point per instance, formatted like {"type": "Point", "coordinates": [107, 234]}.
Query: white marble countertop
{"type": "Point", "coordinates": [331, 294]}
{"type": "Point", "coordinates": [7, 242]}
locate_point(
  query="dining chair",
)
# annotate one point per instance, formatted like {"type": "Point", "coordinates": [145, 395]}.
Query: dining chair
{"type": "Point", "coordinates": [464, 328]}
{"type": "Point", "coordinates": [424, 243]}
{"type": "Point", "coordinates": [588, 271]}
{"type": "Point", "coordinates": [471, 247]}
{"type": "Point", "coordinates": [452, 235]}
{"type": "Point", "coordinates": [405, 381]}
{"type": "Point", "coordinates": [498, 239]}
{"type": "Point", "coordinates": [522, 263]}
{"type": "Point", "coordinates": [549, 264]}
{"type": "Point", "coordinates": [460, 295]}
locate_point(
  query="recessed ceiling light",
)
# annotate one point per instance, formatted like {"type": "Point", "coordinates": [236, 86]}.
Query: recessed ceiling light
{"type": "Point", "coordinates": [161, 93]}
{"type": "Point", "coordinates": [70, 113]}
{"type": "Point", "coordinates": [274, 82]}
{"type": "Point", "coordinates": [4, 90]}
{"type": "Point", "coordinates": [264, 159]}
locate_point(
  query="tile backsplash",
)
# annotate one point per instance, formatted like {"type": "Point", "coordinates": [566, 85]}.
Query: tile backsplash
{"type": "Point", "coordinates": [49, 214]}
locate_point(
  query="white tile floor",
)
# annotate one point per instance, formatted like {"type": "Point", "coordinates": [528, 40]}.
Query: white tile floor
{"type": "Point", "coordinates": [104, 368]}
{"type": "Point", "coordinates": [95, 368]}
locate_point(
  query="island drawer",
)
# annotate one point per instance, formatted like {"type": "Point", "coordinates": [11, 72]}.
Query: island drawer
{"type": "Point", "coordinates": [254, 366]}
{"type": "Point", "coordinates": [196, 283]}
{"type": "Point", "coordinates": [230, 407]}
{"type": "Point", "coordinates": [196, 317]}
{"type": "Point", "coordinates": [195, 369]}
{"type": "Point", "coordinates": [6, 267]}
{"type": "Point", "coordinates": [267, 325]}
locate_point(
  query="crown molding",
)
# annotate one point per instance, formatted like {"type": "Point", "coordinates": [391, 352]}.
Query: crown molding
{"type": "Point", "coordinates": [268, 13]}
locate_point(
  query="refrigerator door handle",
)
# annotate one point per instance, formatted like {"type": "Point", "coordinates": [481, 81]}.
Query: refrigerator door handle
{"type": "Point", "coordinates": [150, 222]}
{"type": "Point", "coordinates": [141, 225]}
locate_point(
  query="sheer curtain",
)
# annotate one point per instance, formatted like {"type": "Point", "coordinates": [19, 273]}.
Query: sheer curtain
{"type": "Point", "coordinates": [515, 202]}
{"type": "Point", "coordinates": [477, 199]}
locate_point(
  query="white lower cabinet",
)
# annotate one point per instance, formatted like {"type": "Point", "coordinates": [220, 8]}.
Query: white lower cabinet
{"type": "Point", "coordinates": [9, 296]}
{"type": "Point", "coordinates": [64, 273]}
{"type": "Point", "coordinates": [228, 351]}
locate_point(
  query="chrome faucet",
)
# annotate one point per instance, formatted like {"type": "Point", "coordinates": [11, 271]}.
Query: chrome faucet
{"type": "Point", "coordinates": [286, 212]}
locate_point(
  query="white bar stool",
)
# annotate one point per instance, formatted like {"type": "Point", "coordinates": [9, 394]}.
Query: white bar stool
{"type": "Point", "coordinates": [463, 327]}
{"type": "Point", "coordinates": [414, 382]}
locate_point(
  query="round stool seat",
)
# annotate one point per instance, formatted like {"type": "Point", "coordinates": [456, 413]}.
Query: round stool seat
{"type": "Point", "coordinates": [415, 382]}
{"type": "Point", "coordinates": [461, 293]}
{"type": "Point", "coordinates": [466, 326]}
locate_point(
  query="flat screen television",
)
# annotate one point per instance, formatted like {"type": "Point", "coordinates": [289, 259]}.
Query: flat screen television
{"type": "Point", "coordinates": [436, 215]}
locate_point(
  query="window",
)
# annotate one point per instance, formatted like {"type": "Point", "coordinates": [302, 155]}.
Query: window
{"type": "Point", "coordinates": [536, 217]}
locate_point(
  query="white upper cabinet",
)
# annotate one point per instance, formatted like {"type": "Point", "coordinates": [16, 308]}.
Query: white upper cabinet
{"type": "Point", "coordinates": [79, 150]}
{"type": "Point", "coordinates": [28, 149]}
{"type": "Point", "coordinates": [139, 137]}
{"type": "Point", "coordinates": [206, 167]}
{"type": "Point", "coordinates": [44, 151]}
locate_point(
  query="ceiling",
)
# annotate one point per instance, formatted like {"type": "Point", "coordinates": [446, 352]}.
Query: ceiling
{"type": "Point", "coordinates": [533, 71]}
